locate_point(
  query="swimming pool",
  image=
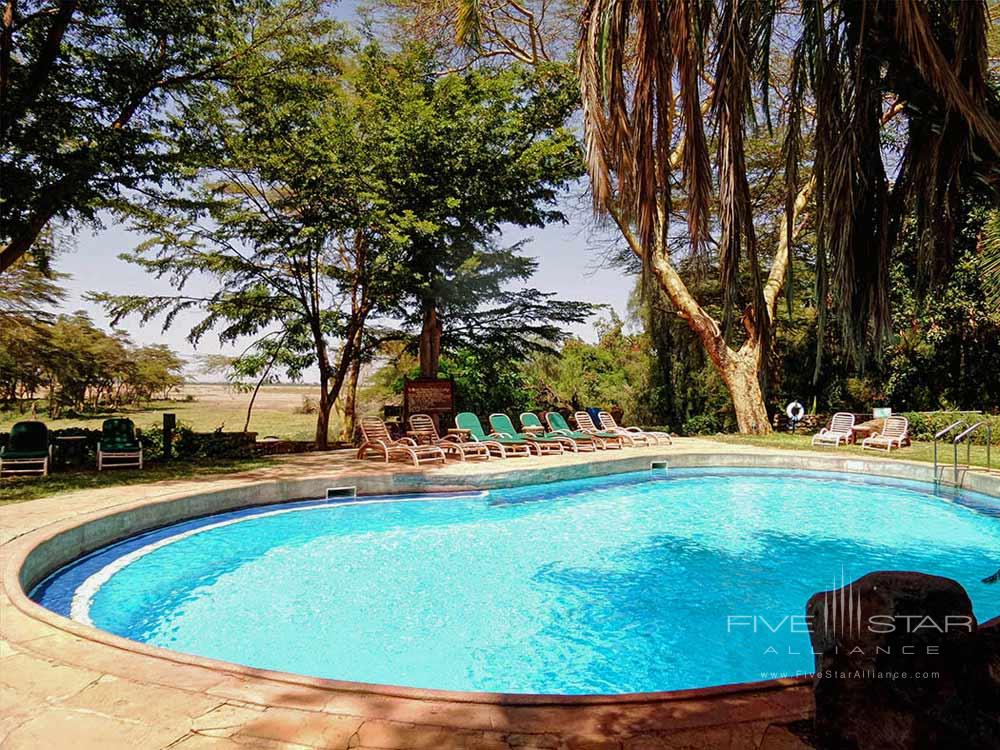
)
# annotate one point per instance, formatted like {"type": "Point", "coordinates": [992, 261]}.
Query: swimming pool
{"type": "Point", "coordinates": [627, 583]}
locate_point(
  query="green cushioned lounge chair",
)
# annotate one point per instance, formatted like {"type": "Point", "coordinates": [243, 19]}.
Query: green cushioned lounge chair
{"type": "Point", "coordinates": [118, 443]}
{"type": "Point", "coordinates": [559, 426]}
{"type": "Point", "coordinates": [501, 425]}
{"type": "Point", "coordinates": [530, 423]}
{"type": "Point", "coordinates": [468, 424]}
{"type": "Point", "coordinates": [29, 451]}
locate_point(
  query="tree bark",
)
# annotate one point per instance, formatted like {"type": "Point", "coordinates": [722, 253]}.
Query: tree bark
{"type": "Point", "coordinates": [351, 402]}
{"type": "Point", "coordinates": [323, 413]}
{"type": "Point", "coordinates": [742, 378]}
{"type": "Point", "coordinates": [430, 340]}
{"type": "Point", "coordinates": [740, 370]}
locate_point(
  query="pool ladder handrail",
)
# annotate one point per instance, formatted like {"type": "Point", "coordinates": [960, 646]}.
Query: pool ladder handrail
{"type": "Point", "coordinates": [963, 437]}
{"type": "Point", "coordinates": [941, 434]}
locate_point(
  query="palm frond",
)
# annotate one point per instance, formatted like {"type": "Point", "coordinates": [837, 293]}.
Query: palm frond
{"type": "Point", "coordinates": [991, 258]}
{"type": "Point", "coordinates": [469, 23]}
{"type": "Point", "coordinates": [630, 111]}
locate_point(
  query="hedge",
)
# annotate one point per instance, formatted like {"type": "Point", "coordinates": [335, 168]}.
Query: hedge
{"type": "Point", "coordinates": [187, 444]}
{"type": "Point", "coordinates": [924, 425]}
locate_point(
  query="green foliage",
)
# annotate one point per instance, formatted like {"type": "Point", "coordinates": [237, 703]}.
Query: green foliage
{"type": "Point", "coordinates": [327, 198]}
{"type": "Point", "coordinates": [946, 349]}
{"type": "Point", "coordinates": [487, 382]}
{"type": "Point", "coordinates": [613, 372]}
{"type": "Point", "coordinates": [459, 156]}
{"type": "Point", "coordinates": [702, 424]}
{"type": "Point", "coordinates": [683, 384]}
{"type": "Point", "coordinates": [213, 445]}
{"type": "Point", "coordinates": [924, 425]}
{"type": "Point", "coordinates": [81, 368]}
{"type": "Point", "coordinates": [96, 94]}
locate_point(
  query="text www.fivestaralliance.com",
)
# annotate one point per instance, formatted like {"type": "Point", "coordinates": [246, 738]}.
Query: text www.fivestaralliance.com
{"type": "Point", "coordinates": [853, 675]}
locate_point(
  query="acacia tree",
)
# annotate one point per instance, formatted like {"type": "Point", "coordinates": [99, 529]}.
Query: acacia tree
{"type": "Point", "coordinates": [327, 200]}
{"type": "Point", "coordinates": [92, 95]}
{"type": "Point", "coordinates": [288, 220]}
{"type": "Point", "coordinates": [471, 152]}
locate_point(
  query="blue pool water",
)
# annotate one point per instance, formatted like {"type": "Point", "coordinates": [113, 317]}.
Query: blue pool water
{"type": "Point", "coordinates": [619, 584]}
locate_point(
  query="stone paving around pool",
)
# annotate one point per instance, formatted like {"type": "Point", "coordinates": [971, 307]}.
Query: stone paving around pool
{"type": "Point", "coordinates": [63, 685]}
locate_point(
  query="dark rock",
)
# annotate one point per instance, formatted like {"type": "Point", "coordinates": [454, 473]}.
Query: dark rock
{"type": "Point", "coordinates": [901, 663]}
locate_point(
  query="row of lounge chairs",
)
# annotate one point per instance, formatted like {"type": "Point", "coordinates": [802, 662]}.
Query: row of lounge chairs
{"type": "Point", "coordinates": [29, 450]}
{"type": "Point", "coordinates": [841, 430]}
{"type": "Point", "coordinates": [469, 440]}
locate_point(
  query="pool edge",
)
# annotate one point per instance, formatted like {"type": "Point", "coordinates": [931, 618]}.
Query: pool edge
{"type": "Point", "coordinates": [28, 557]}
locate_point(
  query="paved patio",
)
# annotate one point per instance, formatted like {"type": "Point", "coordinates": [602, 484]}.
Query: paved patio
{"type": "Point", "coordinates": [64, 685]}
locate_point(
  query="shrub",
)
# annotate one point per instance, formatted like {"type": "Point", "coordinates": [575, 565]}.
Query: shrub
{"type": "Point", "coordinates": [702, 424]}
{"type": "Point", "coordinates": [188, 444]}
{"type": "Point", "coordinates": [924, 425]}
{"type": "Point", "coordinates": [218, 444]}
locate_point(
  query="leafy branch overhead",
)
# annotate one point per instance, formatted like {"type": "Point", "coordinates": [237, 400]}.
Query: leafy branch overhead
{"type": "Point", "coordinates": [94, 96]}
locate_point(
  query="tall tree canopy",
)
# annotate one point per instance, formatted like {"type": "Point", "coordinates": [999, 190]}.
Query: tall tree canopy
{"type": "Point", "coordinates": [852, 63]}
{"type": "Point", "coordinates": [470, 153]}
{"type": "Point", "coordinates": [93, 95]}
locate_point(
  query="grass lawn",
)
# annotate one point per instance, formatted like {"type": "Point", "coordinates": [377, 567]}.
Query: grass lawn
{"type": "Point", "coordinates": [916, 452]}
{"type": "Point", "coordinates": [277, 411]}
{"type": "Point", "coordinates": [19, 489]}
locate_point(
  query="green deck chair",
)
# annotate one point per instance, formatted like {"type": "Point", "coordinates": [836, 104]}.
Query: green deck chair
{"type": "Point", "coordinates": [501, 425]}
{"type": "Point", "coordinates": [29, 451]}
{"type": "Point", "coordinates": [575, 443]}
{"type": "Point", "coordinates": [557, 422]}
{"type": "Point", "coordinates": [468, 421]}
{"type": "Point", "coordinates": [119, 443]}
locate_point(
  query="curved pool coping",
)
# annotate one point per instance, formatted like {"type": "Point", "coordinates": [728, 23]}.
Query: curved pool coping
{"type": "Point", "coordinates": [30, 556]}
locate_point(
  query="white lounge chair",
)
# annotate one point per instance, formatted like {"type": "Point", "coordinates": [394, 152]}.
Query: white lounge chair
{"type": "Point", "coordinates": [841, 430]}
{"type": "Point", "coordinates": [377, 440]}
{"type": "Point", "coordinates": [422, 428]}
{"type": "Point", "coordinates": [608, 423]}
{"type": "Point", "coordinates": [893, 434]}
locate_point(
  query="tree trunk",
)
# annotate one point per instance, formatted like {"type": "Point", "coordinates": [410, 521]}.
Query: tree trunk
{"type": "Point", "coordinates": [323, 414]}
{"type": "Point", "coordinates": [430, 340]}
{"type": "Point", "coordinates": [351, 402]}
{"type": "Point", "coordinates": [743, 383]}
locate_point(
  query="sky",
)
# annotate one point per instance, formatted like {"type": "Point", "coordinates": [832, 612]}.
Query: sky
{"type": "Point", "coordinates": [570, 262]}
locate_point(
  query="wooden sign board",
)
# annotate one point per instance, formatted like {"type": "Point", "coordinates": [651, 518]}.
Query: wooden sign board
{"type": "Point", "coordinates": [428, 396]}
